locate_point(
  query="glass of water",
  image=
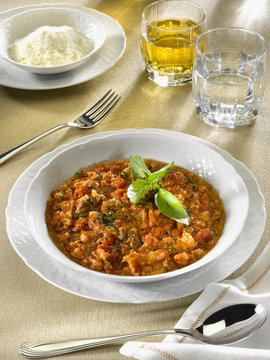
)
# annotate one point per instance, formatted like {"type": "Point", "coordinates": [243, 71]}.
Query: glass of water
{"type": "Point", "coordinates": [228, 76]}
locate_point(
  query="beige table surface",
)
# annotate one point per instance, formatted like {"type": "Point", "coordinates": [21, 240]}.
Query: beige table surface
{"type": "Point", "coordinates": [30, 307]}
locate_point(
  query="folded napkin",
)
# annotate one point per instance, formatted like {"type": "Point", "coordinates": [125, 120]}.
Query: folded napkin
{"type": "Point", "coordinates": [252, 287]}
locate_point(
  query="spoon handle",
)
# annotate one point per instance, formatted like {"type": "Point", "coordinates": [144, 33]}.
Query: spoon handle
{"type": "Point", "coordinates": [35, 350]}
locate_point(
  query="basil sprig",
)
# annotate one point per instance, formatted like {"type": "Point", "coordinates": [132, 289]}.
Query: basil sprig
{"type": "Point", "coordinates": [165, 201]}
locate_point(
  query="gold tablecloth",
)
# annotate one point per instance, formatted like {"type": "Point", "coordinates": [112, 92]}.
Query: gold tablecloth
{"type": "Point", "coordinates": [33, 309]}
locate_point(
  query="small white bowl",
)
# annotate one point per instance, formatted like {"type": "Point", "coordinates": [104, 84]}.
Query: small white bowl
{"type": "Point", "coordinates": [19, 26]}
{"type": "Point", "coordinates": [186, 153]}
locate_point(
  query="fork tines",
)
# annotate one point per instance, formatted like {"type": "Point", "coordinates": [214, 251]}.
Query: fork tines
{"type": "Point", "coordinates": [103, 107]}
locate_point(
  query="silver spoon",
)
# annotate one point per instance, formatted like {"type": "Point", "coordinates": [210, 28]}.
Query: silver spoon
{"type": "Point", "coordinates": [225, 326]}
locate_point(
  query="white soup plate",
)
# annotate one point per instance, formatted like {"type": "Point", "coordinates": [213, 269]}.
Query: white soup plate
{"type": "Point", "coordinates": [185, 152]}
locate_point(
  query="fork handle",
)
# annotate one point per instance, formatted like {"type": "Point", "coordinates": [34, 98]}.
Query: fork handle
{"type": "Point", "coordinates": [10, 153]}
{"type": "Point", "coordinates": [37, 350]}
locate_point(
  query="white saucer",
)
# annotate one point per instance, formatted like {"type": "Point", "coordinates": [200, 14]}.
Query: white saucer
{"type": "Point", "coordinates": [110, 53]}
{"type": "Point", "coordinates": [78, 283]}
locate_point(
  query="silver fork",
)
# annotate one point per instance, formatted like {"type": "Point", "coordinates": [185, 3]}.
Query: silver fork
{"type": "Point", "coordinates": [88, 120]}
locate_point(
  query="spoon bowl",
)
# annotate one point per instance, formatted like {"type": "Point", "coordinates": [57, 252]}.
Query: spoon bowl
{"type": "Point", "coordinates": [230, 324]}
{"type": "Point", "coordinates": [225, 326]}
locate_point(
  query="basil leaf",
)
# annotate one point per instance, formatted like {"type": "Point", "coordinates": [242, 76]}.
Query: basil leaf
{"type": "Point", "coordinates": [159, 175]}
{"type": "Point", "coordinates": [170, 206]}
{"type": "Point", "coordinates": [137, 190]}
{"type": "Point", "coordinates": [138, 168]}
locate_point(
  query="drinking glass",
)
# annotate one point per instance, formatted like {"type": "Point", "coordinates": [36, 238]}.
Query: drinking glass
{"type": "Point", "coordinates": [169, 31]}
{"type": "Point", "coordinates": [228, 76]}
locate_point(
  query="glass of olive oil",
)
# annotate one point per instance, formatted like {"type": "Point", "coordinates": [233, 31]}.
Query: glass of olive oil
{"type": "Point", "coordinates": [169, 31]}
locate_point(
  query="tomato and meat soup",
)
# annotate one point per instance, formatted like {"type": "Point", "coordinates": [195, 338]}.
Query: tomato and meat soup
{"type": "Point", "coordinates": [92, 221]}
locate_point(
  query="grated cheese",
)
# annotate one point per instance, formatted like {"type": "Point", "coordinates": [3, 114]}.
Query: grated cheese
{"type": "Point", "coordinates": [50, 46]}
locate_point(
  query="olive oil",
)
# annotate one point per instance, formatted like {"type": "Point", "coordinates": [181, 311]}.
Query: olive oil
{"type": "Point", "coordinates": [168, 47]}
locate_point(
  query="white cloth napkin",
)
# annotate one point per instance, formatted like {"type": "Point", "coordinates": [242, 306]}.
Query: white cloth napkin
{"type": "Point", "coordinates": [252, 287]}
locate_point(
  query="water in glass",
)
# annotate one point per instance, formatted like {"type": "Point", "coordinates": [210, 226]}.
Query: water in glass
{"type": "Point", "coordinates": [227, 85]}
